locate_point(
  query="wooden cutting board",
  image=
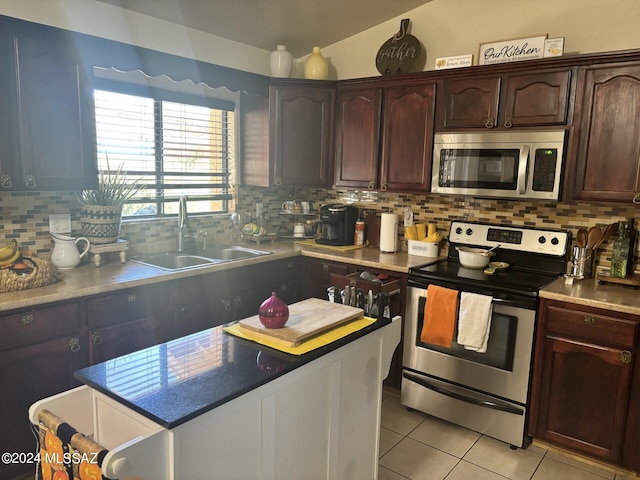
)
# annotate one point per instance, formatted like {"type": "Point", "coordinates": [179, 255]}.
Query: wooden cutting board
{"type": "Point", "coordinates": [307, 319]}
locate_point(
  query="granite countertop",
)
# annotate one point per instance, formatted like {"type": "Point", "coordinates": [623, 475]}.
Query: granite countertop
{"type": "Point", "coordinates": [177, 381]}
{"type": "Point", "coordinates": [589, 293]}
{"type": "Point", "coordinates": [88, 279]}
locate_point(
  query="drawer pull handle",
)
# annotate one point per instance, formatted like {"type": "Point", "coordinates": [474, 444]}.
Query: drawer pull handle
{"type": "Point", "coordinates": [227, 305]}
{"type": "Point", "coordinates": [325, 267]}
{"type": "Point", "coordinates": [131, 298]}
{"type": "Point", "coordinates": [589, 320]}
{"type": "Point", "coordinates": [27, 318]}
{"type": "Point", "coordinates": [30, 181]}
{"type": "Point", "coordinates": [74, 344]}
{"type": "Point", "coordinates": [6, 181]}
{"type": "Point", "coordinates": [238, 301]}
{"type": "Point", "coordinates": [625, 356]}
{"type": "Point", "coordinates": [508, 123]}
{"type": "Point", "coordinates": [489, 123]}
{"type": "Point", "coordinates": [283, 287]}
{"type": "Point", "coordinates": [96, 338]}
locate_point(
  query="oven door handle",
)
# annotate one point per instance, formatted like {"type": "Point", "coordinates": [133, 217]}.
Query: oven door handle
{"type": "Point", "coordinates": [496, 405]}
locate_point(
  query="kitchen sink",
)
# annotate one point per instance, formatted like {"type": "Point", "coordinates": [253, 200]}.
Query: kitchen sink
{"type": "Point", "coordinates": [174, 261]}
{"type": "Point", "coordinates": [210, 256]}
{"type": "Point", "coordinates": [233, 252]}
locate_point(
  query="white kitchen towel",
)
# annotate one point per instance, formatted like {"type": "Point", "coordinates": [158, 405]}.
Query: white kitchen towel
{"type": "Point", "coordinates": [474, 321]}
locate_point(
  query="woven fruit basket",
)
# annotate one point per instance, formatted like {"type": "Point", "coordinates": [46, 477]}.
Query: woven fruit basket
{"type": "Point", "coordinates": [11, 281]}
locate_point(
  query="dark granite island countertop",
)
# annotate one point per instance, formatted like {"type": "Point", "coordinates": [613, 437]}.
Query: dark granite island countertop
{"type": "Point", "coordinates": [177, 381]}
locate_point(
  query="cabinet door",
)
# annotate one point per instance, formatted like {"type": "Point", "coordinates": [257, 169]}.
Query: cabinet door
{"type": "Point", "coordinates": [123, 338]}
{"type": "Point", "coordinates": [190, 306]}
{"type": "Point", "coordinates": [357, 134]}
{"type": "Point", "coordinates": [608, 158]}
{"type": "Point", "coordinates": [407, 137]}
{"type": "Point", "coordinates": [535, 99]}
{"type": "Point", "coordinates": [316, 276]}
{"type": "Point", "coordinates": [584, 395]}
{"type": "Point", "coordinates": [54, 98]}
{"type": "Point", "coordinates": [469, 103]}
{"type": "Point", "coordinates": [29, 374]}
{"type": "Point", "coordinates": [302, 135]}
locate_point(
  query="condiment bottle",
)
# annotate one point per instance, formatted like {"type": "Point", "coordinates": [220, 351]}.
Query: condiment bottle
{"type": "Point", "coordinates": [358, 235]}
{"type": "Point", "coordinates": [620, 255]}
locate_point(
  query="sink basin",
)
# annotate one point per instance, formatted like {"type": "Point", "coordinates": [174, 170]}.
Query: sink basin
{"type": "Point", "coordinates": [210, 256]}
{"type": "Point", "coordinates": [234, 252]}
{"type": "Point", "coordinates": [174, 261]}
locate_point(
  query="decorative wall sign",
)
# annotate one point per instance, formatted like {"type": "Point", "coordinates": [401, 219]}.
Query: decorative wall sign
{"type": "Point", "coordinates": [554, 47]}
{"type": "Point", "coordinates": [454, 62]}
{"type": "Point", "coordinates": [399, 54]}
{"type": "Point", "coordinates": [514, 50]}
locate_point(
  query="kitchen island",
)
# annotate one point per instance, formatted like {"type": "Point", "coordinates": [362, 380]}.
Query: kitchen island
{"type": "Point", "coordinates": [211, 405]}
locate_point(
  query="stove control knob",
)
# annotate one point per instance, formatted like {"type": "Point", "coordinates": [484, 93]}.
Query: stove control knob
{"type": "Point", "coordinates": [541, 239]}
{"type": "Point", "coordinates": [469, 231]}
{"type": "Point", "coordinates": [458, 230]}
{"type": "Point", "coordinates": [555, 241]}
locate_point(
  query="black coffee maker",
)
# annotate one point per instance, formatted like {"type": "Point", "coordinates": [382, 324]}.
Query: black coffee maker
{"type": "Point", "coordinates": [337, 224]}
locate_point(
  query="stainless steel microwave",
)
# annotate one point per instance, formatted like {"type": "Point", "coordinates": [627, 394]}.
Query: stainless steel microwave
{"type": "Point", "coordinates": [525, 164]}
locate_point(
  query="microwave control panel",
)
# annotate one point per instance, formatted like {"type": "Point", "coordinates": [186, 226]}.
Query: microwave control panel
{"type": "Point", "coordinates": [544, 169]}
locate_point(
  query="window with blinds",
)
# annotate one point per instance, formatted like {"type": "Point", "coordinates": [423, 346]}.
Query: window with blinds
{"type": "Point", "coordinates": [174, 144]}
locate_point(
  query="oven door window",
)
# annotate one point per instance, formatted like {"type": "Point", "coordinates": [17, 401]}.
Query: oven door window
{"type": "Point", "coordinates": [500, 347]}
{"type": "Point", "coordinates": [479, 168]}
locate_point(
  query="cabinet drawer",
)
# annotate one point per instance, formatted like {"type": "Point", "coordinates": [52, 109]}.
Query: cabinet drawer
{"type": "Point", "coordinates": [123, 306]}
{"type": "Point", "coordinates": [321, 271]}
{"type": "Point", "coordinates": [594, 325]}
{"type": "Point", "coordinates": [36, 325]}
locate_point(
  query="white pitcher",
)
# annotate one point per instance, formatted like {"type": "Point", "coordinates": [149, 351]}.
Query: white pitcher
{"type": "Point", "coordinates": [65, 254]}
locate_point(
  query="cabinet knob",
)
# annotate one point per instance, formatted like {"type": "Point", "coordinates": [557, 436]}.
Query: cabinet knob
{"type": "Point", "coordinates": [5, 181]}
{"type": "Point", "coordinates": [384, 186]}
{"type": "Point", "coordinates": [325, 267]}
{"type": "Point", "coordinates": [372, 185]}
{"type": "Point", "coordinates": [131, 298]}
{"type": "Point", "coordinates": [27, 318]}
{"type": "Point", "coordinates": [283, 287]}
{"type": "Point", "coordinates": [589, 320]}
{"type": "Point", "coordinates": [237, 301]}
{"type": "Point", "coordinates": [74, 344]}
{"type": "Point", "coordinates": [625, 356]}
{"type": "Point", "coordinates": [278, 181]}
{"type": "Point", "coordinates": [489, 123]}
{"type": "Point", "coordinates": [507, 123]}
{"type": "Point", "coordinates": [30, 181]}
{"type": "Point", "coordinates": [226, 305]}
{"type": "Point", "coordinates": [96, 338]}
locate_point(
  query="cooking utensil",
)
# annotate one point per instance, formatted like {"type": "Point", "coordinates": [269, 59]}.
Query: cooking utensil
{"type": "Point", "coordinates": [609, 231]}
{"type": "Point", "coordinates": [581, 238]}
{"type": "Point", "coordinates": [593, 235]}
{"type": "Point", "coordinates": [493, 266]}
{"type": "Point", "coordinates": [474, 257]}
{"type": "Point", "coordinates": [492, 249]}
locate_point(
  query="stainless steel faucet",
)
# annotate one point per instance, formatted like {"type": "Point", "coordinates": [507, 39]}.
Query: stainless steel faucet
{"type": "Point", "coordinates": [183, 223]}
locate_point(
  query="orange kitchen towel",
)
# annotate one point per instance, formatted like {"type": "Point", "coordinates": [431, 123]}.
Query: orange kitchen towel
{"type": "Point", "coordinates": [440, 314]}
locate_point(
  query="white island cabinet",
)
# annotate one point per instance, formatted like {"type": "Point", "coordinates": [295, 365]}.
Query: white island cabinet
{"type": "Point", "coordinates": [214, 406]}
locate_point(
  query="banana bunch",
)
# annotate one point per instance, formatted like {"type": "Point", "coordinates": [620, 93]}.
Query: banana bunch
{"type": "Point", "coordinates": [9, 253]}
{"type": "Point", "coordinates": [423, 232]}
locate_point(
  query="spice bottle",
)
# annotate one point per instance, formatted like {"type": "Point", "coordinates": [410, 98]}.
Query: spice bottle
{"type": "Point", "coordinates": [620, 255]}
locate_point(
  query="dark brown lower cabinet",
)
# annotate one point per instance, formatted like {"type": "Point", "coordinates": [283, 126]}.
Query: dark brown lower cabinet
{"type": "Point", "coordinates": [47, 346]}
{"type": "Point", "coordinates": [583, 375]}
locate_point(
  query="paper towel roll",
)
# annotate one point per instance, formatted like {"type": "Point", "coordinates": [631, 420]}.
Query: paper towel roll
{"type": "Point", "coordinates": [388, 232]}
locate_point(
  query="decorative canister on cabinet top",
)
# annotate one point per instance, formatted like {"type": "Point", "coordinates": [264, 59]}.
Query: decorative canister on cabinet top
{"type": "Point", "coordinates": [281, 62]}
{"type": "Point", "coordinates": [316, 66]}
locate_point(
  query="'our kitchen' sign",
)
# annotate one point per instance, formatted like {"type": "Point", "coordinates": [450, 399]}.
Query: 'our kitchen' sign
{"type": "Point", "coordinates": [511, 50]}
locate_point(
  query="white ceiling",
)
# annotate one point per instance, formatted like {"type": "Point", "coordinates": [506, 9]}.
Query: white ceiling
{"type": "Point", "coordinates": [298, 24]}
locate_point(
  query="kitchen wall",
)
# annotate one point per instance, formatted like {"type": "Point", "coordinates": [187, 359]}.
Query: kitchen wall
{"type": "Point", "coordinates": [25, 216]}
{"type": "Point", "coordinates": [444, 27]}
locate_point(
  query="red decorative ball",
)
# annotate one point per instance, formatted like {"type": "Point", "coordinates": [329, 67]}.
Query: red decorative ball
{"type": "Point", "coordinates": [273, 313]}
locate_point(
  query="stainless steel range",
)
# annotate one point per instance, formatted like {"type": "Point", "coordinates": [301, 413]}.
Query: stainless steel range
{"type": "Point", "coordinates": [486, 392]}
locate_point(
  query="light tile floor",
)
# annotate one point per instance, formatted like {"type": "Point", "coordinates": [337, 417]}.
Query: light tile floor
{"type": "Point", "coordinates": [417, 446]}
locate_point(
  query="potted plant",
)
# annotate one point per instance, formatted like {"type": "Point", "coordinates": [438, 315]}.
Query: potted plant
{"type": "Point", "coordinates": [101, 209]}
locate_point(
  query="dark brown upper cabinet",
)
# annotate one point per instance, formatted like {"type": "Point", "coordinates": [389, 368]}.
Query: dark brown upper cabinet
{"type": "Point", "coordinates": [384, 136]}
{"type": "Point", "coordinates": [515, 100]}
{"type": "Point", "coordinates": [47, 123]}
{"type": "Point", "coordinates": [301, 134]}
{"type": "Point", "coordinates": [606, 165]}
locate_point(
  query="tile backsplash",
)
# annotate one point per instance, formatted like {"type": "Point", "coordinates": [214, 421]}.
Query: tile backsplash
{"type": "Point", "coordinates": [25, 216]}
